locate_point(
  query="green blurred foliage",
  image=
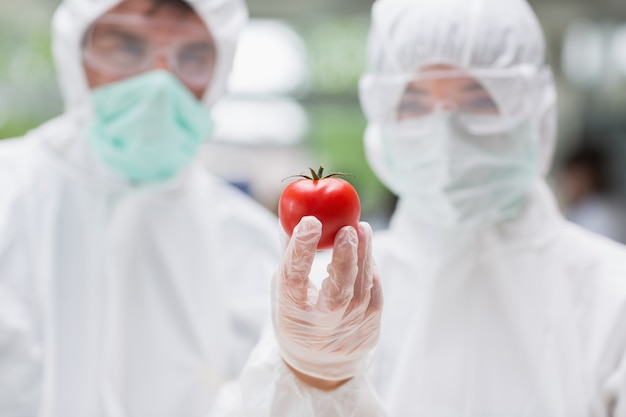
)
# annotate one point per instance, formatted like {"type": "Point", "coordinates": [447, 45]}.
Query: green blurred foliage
{"type": "Point", "coordinates": [337, 139]}
{"type": "Point", "coordinates": [337, 53]}
{"type": "Point", "coordinates": [337, 57]}
{"type": "Point", "coordinates": [28, 90]}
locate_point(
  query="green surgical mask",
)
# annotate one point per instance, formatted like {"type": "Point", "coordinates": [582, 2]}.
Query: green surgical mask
{"type": "Point", "coordinates": [149, 127]}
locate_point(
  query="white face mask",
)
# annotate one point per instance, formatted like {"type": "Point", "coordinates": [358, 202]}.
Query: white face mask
{"type": "Point", "coordinates": [450, 177]}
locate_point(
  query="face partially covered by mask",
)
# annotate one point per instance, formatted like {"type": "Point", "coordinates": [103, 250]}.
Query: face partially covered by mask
{"type": "Point", "coordinates": [450, 151]}
{"type": "Point", "coordinates": [460, 106]}
{"type": "Point", "coordinates": [148, 67]}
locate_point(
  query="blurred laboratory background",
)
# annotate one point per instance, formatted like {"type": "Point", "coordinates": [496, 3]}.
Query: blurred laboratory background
{"type": "Point", "coordinates": [293, 99]}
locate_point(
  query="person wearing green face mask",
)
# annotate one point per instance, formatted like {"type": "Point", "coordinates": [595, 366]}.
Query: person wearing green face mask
{"type": "Point", "coordinates": [132, 281]}
{"type": "Point", "coordinates": [147, 128]}
{"type": "Point", "coordinates": [147, 75]}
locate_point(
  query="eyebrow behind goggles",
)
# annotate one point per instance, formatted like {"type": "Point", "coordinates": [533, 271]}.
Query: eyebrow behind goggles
{"type": "Point", "coordinates": [117, 44]}
{"type": "Point", "coordinates": [507, 94]}
{"type": "Point", "coordinates": [149, 21]}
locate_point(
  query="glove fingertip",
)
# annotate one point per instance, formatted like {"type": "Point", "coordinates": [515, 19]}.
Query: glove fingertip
{"type": "Point", "coordinates": [365, 230]}
{"type": "Point", "coordinates": [307, 225]}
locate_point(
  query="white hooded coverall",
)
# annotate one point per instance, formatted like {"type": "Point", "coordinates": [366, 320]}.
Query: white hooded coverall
{"type": "Point", "coordinates": [524, 317]}
{"type": "Point", "coordinates": [120, 300]}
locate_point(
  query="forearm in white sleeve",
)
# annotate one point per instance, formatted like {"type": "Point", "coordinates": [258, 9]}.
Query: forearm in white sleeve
{"type": "Point", "coordinates": [266, 387]}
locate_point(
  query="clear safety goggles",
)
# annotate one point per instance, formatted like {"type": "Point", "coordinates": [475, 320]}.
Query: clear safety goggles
{"type": "Point", "coordinates": [484, 101]}
{"type": "Point", "coordinates": [123, 46]}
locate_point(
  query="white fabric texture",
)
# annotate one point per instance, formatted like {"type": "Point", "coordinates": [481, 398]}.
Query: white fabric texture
{"type": "Point", "coordinates": [20, 366]}
{"type": "Point", "coordinates": [525, 318]}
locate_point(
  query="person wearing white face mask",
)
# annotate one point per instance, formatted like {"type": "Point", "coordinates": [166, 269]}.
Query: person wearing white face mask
{"type": "Point", "coordinates": [495, 304]}
{"type": "Point", "coordinates": [132, 281]}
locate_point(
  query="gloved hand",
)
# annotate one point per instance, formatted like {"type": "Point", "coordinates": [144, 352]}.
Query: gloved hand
{"type": "Point", "coordinates": [328, 333]}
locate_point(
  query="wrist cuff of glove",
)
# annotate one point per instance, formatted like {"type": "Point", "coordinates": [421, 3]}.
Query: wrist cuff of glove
{"type": "Point", "coordinates": [329, 367]}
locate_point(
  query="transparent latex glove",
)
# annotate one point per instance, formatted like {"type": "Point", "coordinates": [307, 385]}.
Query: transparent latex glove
{"type": "Point", "coordinates": [327, 333]}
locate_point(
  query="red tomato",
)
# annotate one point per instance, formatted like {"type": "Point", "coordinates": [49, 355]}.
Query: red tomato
{"type": "Point", "coordinates": [333, 201]}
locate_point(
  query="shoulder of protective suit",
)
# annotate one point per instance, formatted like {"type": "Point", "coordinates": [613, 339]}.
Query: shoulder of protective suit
{"type": "Point", "coordinates": [597, 262]}
{"type": "Point", "coordinates": [238, 210]}
{"type": "Point", "coordinates": [16, 162]}
{"type": "Point", "coordinates": [14, 150]}
{"type": "Point", "coordinates": [382, 239]}
{"type": "Point", "coordinates": [17, 158]}
{"type": "Point", "coordinates": [592, 245]}
{"type": "Point", "coordinates": [596, 268]}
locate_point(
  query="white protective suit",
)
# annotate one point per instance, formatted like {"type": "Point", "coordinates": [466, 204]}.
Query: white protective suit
{"type": "Point", "coordinates": [524, 317]}
{"type": "Point", "coordinates": [120, 300]}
